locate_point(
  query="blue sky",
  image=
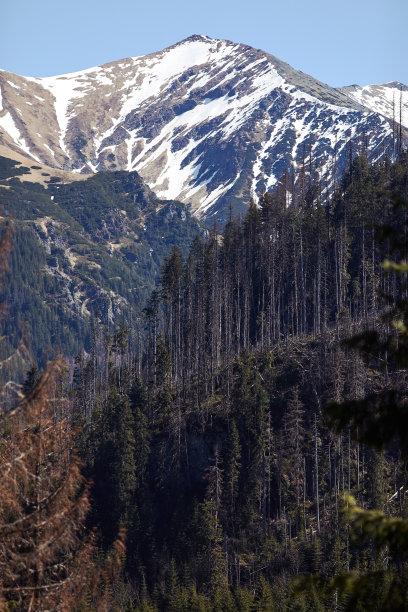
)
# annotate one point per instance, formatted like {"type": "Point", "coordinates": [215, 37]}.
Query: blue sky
{"type": "Point", "coordinates": [339, 42]}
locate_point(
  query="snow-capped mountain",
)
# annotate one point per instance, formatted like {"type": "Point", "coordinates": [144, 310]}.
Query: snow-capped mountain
{"type": "Point", "coordinates": [390, 100]}
{"type": "Point", "coordinates": [205, 121]}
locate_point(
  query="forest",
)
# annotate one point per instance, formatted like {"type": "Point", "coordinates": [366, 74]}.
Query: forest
{"type": "Point", "coordinates": [242, 445]}
{"type": "Point", "coordinates": [82, 250]}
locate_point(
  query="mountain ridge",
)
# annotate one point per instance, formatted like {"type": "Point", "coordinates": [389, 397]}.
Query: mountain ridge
{"type": "Point", "coordinates": [206, 121]}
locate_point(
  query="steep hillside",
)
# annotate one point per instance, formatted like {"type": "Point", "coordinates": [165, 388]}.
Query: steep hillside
{"type": "Point", "coordinates": [205, 121]}
{"type": "Point", "coordinates": [91, 248]}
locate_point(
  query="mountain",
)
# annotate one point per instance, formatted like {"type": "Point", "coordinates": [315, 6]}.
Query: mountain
{"type": "Point", "coordinates": [390, 100]}
{"type": "Point", "coordinates": [208, 122]}
{"type": "Point", "coordinates": [82, 250]}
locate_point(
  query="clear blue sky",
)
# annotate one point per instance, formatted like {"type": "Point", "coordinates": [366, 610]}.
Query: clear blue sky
{"type": "Point", "coordinates": [339, 42]}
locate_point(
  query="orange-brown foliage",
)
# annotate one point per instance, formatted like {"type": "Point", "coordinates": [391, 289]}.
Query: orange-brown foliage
{"type": "Point", "coordinates": [44, 501]}
{"type": "Point", "coordinates": [47, 560]}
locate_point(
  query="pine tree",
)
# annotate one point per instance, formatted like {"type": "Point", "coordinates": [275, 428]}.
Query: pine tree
{"type": "Point", "coordinates": [378, 420]}
{"type": "Point", "coordinates": [44, 501]}
{"type": "Point", "coordinates": [114, 468]}
{"type": "Point", "coordinates": [232, 464]}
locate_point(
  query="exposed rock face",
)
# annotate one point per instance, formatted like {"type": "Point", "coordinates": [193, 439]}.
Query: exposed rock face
{"type": "Point", "coordinates": [208, 122]}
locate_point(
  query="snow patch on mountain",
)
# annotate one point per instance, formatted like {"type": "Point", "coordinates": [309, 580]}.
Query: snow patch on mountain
{"type": "Point", "coordinates": [8, 124]}
{"type": "Point", "coordinates": [390, 99]}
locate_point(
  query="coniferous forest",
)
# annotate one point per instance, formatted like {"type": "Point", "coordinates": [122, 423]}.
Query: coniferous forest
{"type": "Point", "coordinates": [243, 445]}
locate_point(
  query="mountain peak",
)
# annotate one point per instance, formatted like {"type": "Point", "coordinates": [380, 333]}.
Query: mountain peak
{"type": "Point", "coordinates": [206, 121]}
{"type": "Point", "coordinates": [196, 37]}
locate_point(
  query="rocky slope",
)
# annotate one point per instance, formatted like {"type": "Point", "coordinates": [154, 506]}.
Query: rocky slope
{"type": "Point", "coordinates": [206, 121]}
{"type": "Point", "coordinates": [389, 100]}
{"type": "Point", "coordinates": [91, 248]}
